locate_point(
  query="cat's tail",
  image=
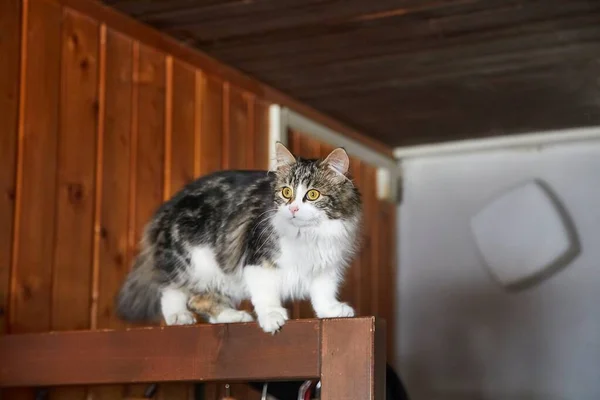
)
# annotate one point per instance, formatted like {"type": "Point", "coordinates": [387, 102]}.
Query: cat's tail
{"type": "Point", "coordinates": [139, 298]}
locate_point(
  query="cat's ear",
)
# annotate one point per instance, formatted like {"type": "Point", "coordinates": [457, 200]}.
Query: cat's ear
{"type": "Point", "coordinates": [283, 157]}
{"type": "Point", "coordinates": [338, 161]}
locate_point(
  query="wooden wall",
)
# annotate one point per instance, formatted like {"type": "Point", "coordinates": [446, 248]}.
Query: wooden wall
{"type": "Point", "coordinates": [97, 130]}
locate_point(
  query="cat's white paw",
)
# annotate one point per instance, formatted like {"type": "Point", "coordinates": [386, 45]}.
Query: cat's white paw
{"type": "Point", "coordinates": [336, 310]}
{"type": "Point", "coordinates": [180, 318]}
{"type": "Point", "coordinates": [272, 319]}
{"type": "Point", "coordinates": [232, 316]}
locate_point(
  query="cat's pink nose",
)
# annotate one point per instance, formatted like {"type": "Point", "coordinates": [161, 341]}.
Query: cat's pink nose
{"type": "Point", "coordinates": [294, 208]}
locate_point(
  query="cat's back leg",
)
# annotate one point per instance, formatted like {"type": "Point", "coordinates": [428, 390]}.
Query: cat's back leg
{"type": "Point", "coordinates": [217, 308]}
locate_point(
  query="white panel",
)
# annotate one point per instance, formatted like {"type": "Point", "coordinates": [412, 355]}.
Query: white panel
{"type": "Point", "coordinates": [522, 235]}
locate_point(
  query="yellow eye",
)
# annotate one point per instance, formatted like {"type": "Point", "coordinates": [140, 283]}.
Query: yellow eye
{"type": "Point", "coordinates": [287, 192]}
{"type": "Point", "coordinates": [313, 194]}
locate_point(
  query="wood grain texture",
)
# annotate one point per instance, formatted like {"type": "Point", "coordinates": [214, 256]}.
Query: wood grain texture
{"type": "Point", "coordinates": [148, 148]}
{"type": "Point", "coordinates": [351, 289]}
{"type": "Point", "coordinates": [182, 138]}
{"type": "Point", "coordinates": [73, 246]}
{"type": "Point", "coordinates": [261, 134]}
{"type": "Point", "coordinates": [211, 146]}
{"type": "Point", "coordinates": [113, 249]}
{"type": "Point", "coordinates": [386, 293]}
{"type": "Point", "coordinates": [203, 352]}
{"type": "Point", "coordinates": [76, 172]}
{"type": "Point", "coordinates": [150, 152]}
{"type": "Point", "coordinates": [367, 188]}
{"type": "Point", "coordinates": [353, 359]}
{"type": "Point", "coordinates": [180, 168]}
{"type": "Point", "coordinates": [10, 26]}
{"type": "Point", "coordinates": [115, 184]}
{"type": "Point", "coordinates": [240, 128]}
{"type": "Point", "coordinates": [32, 278]}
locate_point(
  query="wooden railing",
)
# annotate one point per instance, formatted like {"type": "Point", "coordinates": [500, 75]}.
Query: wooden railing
{"type": "Point", "coordinates": [347, 355]}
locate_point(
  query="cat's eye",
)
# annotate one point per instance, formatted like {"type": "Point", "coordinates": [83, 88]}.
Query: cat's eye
{"type": "Point", "coordinates": [287, 192]}
{"type": "Point", "coordinates": [313, 195]}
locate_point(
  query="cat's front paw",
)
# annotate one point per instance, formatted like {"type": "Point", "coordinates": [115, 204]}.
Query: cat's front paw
{"type": "Point", "coordinates": [336, 310]}
{"type": "Point", "coordinates": [272, 319]}
{"type": "Point", "coordinates": [180, 318]}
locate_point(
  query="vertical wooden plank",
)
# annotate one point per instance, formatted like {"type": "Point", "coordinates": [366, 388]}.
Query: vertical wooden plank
{"type": "Point", "coordinates": [150, 137]}
{"type": "Point", "coordinates": [347, 344]}
{"type": "Point", "coordinates": [76, 174]}
{"type": "Point", "coordinates": [182, 139]}
{"type": "Point", "coordinates": [226, 133]}
{"type": "Point", "coordinates": [149, 147]}
{"type": "Point", "coordinates": [114, 214]}
{"type": "Point", "coordinates": [261, 134]}
{"type": "Point", "coordinates": [239, 141]}
{"type": "Point", "coordinates": [375, 235]}
{"type": "Point", "coordinates": [250, 151]}
{"type": "Point", "coordinates": [34, 240]}
{"type": "Point", "coordinates": [211, 144]}
{"type": "Point", "coordinates": [350, 291]}
{"type": "Point", "coordinates": [368, 191]}
{"type": "Point", "coordinates": [179, 161]}
{"type": "Point", "coordinates": [73, 258]}
{"type": "Point", "coordinates": [387, 270]}
{"type": "Point", "coordinates": [10, 27]}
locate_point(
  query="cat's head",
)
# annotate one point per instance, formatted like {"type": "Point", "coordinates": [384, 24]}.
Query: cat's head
{"type": "Point", "coordinates": [311, 192]}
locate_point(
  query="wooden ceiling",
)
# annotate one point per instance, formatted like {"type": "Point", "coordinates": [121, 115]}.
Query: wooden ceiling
{"type": "Point", "coordinates": [407, 71]}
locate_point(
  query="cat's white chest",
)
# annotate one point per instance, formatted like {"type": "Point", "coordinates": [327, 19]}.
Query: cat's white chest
{"type": "Point", "coordinates": [303, 257]}
{"type": "Point", "coordinates": [308, 256]}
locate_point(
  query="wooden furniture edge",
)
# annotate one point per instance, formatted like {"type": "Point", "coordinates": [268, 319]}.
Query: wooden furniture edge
{"type": "Point", "coordinates": [152, 37]}
{"type": "Point", "coordinates": [309, 348]}
{"type": "Point", "coordinates": [353, 359]}
{"type": "Point", "coordinates": [203, 352]}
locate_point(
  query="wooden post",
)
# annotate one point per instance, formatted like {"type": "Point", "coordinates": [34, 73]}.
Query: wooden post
{"type": "Point", "coordinates": [353, 359]}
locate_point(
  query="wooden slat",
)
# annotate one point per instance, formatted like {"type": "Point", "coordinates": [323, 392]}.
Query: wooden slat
{"type": "Point", "coordinates": [73, 258]}
{"type": "Point", "coordinates": [261, 134]}
{"type": "Point", "coordinates": [113, 249]}
{"type": "Point", "coordinates": [76, 172]}
{"type": "Point", "coordinates": [367, 189]}
{"type": "Point", "coordinates": [31, 266]}
{"type": "Point", "coordinates": [10, 26]}
{"type": "Point", "coordinates": [148, 145]}
{"type": "Point", "coordinates": [351, 289]}
{"type": "Point", "coordinates": [353, 359]}
{"type": "Point", "coordinates": [210, 154]}
{"type": "Point", "coordinates": [195, 353]}
{"type": "Point", "coordinates": [150, 152]}
{"type": "Point", "coordinates": [387, 271]}
{"type": "Point", "coordinates": [182, 139]}
{"type": "Point", "coordinates": [116, 171]}
{"type": "Point", "coordinates": [180, 171]}
{"type": "Point", "coordinates": [239, 142]}
{"type": "Point", "coordinates": [34, 247]}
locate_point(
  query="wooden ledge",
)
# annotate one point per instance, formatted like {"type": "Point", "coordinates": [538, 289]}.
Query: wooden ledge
{"type": "Point", "coordinates": [234, 352]}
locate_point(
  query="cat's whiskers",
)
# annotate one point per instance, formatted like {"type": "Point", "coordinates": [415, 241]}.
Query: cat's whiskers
{"type": "Point", "coordinates": [268, 217]}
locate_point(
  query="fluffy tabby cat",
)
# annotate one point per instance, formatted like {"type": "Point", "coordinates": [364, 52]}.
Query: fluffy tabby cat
{"type": "Point", "coordinates": [270, 236]}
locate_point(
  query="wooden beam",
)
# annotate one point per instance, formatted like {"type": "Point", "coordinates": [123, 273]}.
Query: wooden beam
{"type": "Point", "coordinates": [231, 352]}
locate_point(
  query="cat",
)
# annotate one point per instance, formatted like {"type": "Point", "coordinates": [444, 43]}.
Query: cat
{"type": "Point", "coordinates": [268, 236]}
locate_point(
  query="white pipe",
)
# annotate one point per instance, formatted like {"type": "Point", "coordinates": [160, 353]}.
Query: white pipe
{"type": "Point", "coordinates": [542, 139]}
